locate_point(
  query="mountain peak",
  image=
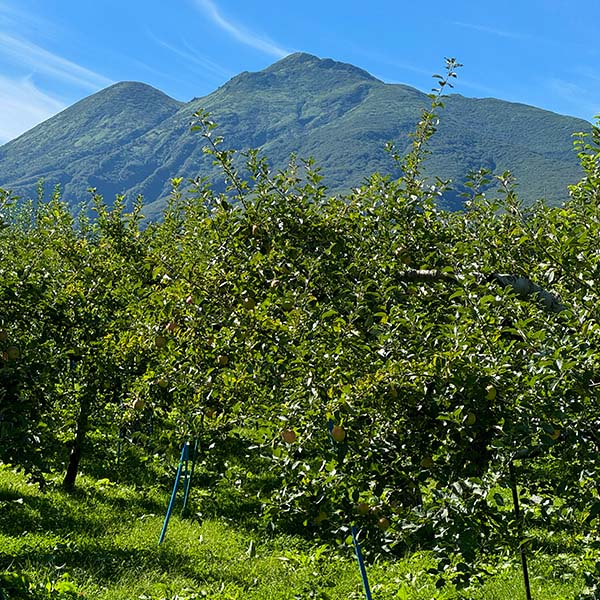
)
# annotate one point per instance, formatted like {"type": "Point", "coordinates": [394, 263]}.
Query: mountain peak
{"type": "Point", "coordinates": [301, 61]}
{"type": "Point", "coordinates": [301, 70]}
{"type": "Point", "coordinates": [133, 89]}
{"type": "Point", "coordinates": [131, 138]}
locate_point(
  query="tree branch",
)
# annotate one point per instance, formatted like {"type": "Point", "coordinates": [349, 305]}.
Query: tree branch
{"type": "Point", "coordinates": [524, 288]}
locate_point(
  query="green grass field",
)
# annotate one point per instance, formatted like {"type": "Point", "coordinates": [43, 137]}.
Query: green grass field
{"type": "Point", "coordinates": [102, 541]}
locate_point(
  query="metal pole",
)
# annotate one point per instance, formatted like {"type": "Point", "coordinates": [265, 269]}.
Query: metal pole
{"type": "Point", "coordinates": [188, 479]}
{"type": "Point", "coordinates": [361, 565]}
{"type": "Point", "coordinates": [515, 495]}
{"type": "Point", "coordinates": [184, 453]}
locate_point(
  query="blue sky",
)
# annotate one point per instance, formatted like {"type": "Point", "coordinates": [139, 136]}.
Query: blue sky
{"type": "Point", "coordinates": [55, 52]}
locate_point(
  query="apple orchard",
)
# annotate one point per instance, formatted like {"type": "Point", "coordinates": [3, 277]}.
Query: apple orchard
{"type": "Point", "coordinates": [346, 360]}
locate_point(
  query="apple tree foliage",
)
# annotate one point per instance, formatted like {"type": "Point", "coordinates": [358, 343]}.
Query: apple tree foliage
{"type": "Point", "coordinates": [65, 291]}
{"type": "Point", "coordinates": [258, 317]}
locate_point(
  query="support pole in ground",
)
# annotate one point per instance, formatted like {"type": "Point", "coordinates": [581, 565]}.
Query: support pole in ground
{"type": "Point", "coordinates": [188, 478]}
{"type": "Point", "coordinates": [515, 495]}
{"type": "Point", "coordinates": [119, 445]}
{"type": "Point", "coordinates": [185, 452]}
{"type": "Point", "coordinates": [361, 564]}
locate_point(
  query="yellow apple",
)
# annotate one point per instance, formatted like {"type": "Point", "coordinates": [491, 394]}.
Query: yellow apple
{"type": "Point", "coordinates": [289, 436]}
{"type": "Point", "coordinates": [172, 327]}
{"type": "Point", "coordinates": [362, 508]}
{"type": "Point", "coordinates": [338, 433]}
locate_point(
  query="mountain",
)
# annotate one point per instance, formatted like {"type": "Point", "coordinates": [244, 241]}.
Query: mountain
{"type": "Point", "coordinates": [131, 138]}
{"type": "Point", "coordinates": [73, 148]}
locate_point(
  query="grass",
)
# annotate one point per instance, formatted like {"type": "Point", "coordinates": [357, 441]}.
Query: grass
{"type": "Point", "coordinates": [104, 539]}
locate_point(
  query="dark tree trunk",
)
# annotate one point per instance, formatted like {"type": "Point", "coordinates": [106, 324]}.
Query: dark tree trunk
{"type": "Point", "coordinates": [78, 443]}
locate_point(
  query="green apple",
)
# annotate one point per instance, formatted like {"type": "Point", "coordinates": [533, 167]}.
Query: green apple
{"type": "Point", "coordinates": [322, 516]}
{"type": "Point", "coordinates": [287, 305]}
{"type": "Point", "coordinates": [138, 404]}
{"type": "Point", "coordinates": [248, 302]}
{"type": "Point", "coordinates": [427, 462]}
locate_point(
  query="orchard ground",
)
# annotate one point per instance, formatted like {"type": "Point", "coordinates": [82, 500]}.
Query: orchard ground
{"type": "Point", "coordinates": [102, 542]}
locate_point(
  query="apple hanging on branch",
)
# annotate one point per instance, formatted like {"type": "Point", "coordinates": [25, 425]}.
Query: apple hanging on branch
{"type": "Point", "coordinates": [338, 433]}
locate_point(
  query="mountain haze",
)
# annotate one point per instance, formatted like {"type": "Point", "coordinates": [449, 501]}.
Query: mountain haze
{"type": "Point", "coordinates": [131, 138]}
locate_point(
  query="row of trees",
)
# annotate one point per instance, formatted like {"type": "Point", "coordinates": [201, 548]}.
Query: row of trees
{"type": "Point", "coordinates": [370, 349]}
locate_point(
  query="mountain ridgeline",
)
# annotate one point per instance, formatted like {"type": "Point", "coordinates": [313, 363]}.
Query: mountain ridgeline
{"type": "Point", "coordinates": [131, 138]}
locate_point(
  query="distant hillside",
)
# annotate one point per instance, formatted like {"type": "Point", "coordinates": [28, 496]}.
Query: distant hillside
{"type": "Point", "coordinates": [131, 138]}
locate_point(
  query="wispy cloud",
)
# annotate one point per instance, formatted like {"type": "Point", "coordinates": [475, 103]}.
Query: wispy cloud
{"type": "Point", "coordinates": [577, 98]}
{"type": "Point", "coordinates": [192, 56]}
{"type": "Point", "coordinates": [9, 14]}
{"type": "Point", "coordinates": [264, 44]}
{"type": "Point", "coordinates": [13, 18]}
{"type": "Point", "coordinates": [419, 70]}
{"type": "Point", "coordinates": [590, 73]}
{"type": "Point", "coordinates": [22, 106]}
{"type": "Point", "coordinates": [40, 60]}
{"type": "Point", "coordinates": [492, 30]}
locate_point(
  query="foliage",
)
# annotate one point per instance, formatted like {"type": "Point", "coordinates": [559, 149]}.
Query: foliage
{"type": "Point", "coordinates": [357, 355]}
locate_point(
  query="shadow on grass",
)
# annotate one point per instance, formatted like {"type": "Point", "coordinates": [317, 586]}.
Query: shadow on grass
{"type": "Point", "coordinates": [109, 564]}
{"type": "Point", "coordinates": [60, 512]}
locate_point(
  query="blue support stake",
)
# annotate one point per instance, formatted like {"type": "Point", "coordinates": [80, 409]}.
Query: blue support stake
{"type": "Point", "coordinates": [330, 425]}
{"type": "Point", "coordinates": [184, 457]}
{"type": "Point", "coordinates": [188, 479]}
{"type": "Point", "coordinates": [361, 565]}
{"type": "Point", "coordinates": [119, 444]}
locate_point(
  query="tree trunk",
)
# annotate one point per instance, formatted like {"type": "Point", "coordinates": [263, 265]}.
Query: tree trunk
{"type": "Point", "coordinates": [78, 443]}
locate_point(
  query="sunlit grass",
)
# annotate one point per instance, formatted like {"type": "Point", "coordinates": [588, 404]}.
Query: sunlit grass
{"type": "Point", "coordinates": [105, 537]}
